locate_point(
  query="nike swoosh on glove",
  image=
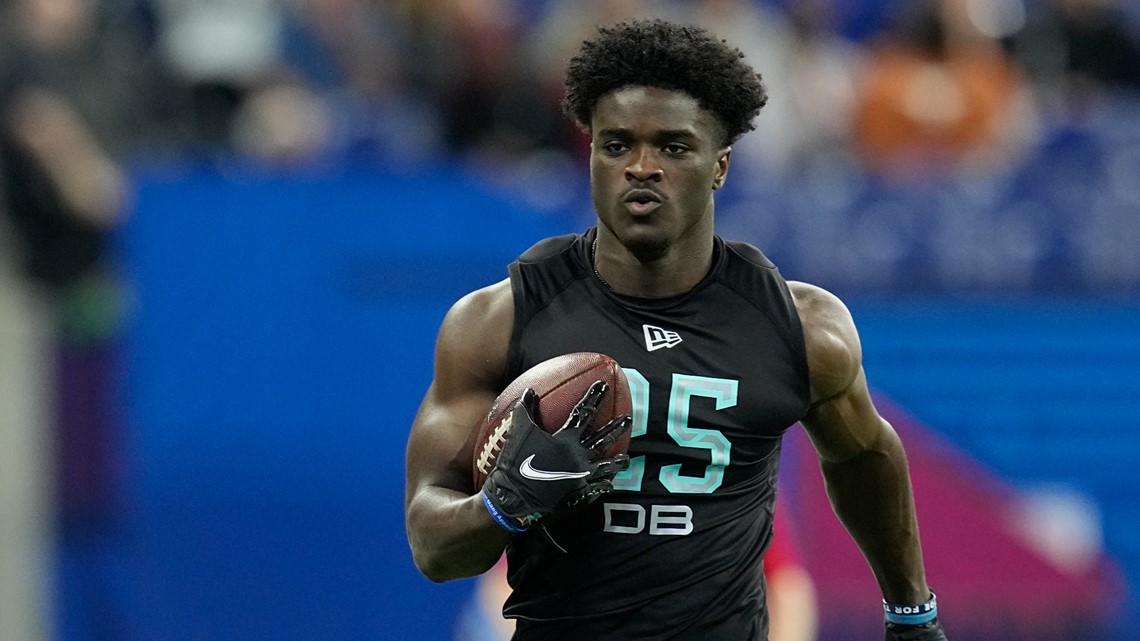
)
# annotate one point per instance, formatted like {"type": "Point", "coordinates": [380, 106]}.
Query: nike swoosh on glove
{"type": "Point", "coordinates": [538, 473]}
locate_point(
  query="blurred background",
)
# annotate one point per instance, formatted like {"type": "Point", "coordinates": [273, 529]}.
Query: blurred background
{"type": "Point", "coordinates": [229, 231]}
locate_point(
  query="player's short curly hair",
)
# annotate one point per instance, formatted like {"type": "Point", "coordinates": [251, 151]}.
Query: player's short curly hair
{"type": "Point", "coordinates": [656, 53]}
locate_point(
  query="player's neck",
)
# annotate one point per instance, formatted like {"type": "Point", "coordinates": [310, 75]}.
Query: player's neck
{"type": "Point", "coordinates": [682, 267]}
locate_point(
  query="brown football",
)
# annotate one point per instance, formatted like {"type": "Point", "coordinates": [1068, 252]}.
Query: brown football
{"type": "Point", "coordinates": [560, 383]}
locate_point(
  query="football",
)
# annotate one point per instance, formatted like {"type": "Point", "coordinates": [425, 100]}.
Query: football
{"type": "Point", "coordinates": [560, 383]}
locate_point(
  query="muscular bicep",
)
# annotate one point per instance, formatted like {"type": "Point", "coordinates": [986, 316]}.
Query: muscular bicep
{"type": "Point", "coordinates": [442, 439]}
{"type": "Point", "coordinates": [470, 364]}
{"type": "Point", "coordinates": [842, 420]}
{"type": "Point", "coordinates": [845, 425]}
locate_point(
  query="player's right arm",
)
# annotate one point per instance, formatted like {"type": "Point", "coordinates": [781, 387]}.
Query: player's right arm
{"type": "Point", "coordinates": [449, 529]}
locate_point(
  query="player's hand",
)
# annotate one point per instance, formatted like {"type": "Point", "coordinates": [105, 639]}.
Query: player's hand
{"type": "Point", "coordinates": [538, 473]}
{"type": "Point", "coordinates": [926, 632]}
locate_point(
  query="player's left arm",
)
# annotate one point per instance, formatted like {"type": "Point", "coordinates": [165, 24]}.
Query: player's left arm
{"type": "Point", "coordinates": [862, 459]}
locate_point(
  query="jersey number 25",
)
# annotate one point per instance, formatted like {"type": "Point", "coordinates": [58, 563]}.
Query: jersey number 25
{"type": "Point", "coordinates": [685, 386]}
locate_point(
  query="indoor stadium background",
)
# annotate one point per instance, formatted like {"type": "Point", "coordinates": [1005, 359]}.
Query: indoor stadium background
{"type": "Point", "coordinates": [282, 313]}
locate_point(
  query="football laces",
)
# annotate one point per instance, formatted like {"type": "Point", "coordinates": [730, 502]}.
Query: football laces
{"type": "Point", "coordinates": [495, 441]}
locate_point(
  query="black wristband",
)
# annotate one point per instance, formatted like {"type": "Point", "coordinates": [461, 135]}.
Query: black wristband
{"type": "Point", "coordinates": [911, 614]}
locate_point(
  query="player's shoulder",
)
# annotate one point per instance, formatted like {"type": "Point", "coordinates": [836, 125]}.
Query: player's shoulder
{"type": "Point", "coordinates": [485, 306]}
{"type": "Point", "coordinates": [749, 253]}
{"type": "Point", "coordinates": [474, 338]}
{"type": "Point", "coordinates": [830, 338]}
{"type": "Point", "coordinates": [548, 269]}
{"type": "Point", "coordinates": [821, 311]}
{"type": "Point", "coordinates": [549, 248]}
{"type": "Point", "coordinates": [816, 301]}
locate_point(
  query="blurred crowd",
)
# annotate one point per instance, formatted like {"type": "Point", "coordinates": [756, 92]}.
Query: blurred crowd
{"type": "Point", "coordinates": [902, 89]}
{"type": "Point", "coordinates": [295, 81]}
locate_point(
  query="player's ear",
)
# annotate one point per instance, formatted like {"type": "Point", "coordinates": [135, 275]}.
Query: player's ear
{"type": "Point", "coordinates": [722, 168]}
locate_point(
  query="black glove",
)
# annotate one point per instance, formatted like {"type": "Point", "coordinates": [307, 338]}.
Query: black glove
{"type": "Point", "coordinates": [925, 632]}
{"type": "Point", "coordinates": [538, 473]}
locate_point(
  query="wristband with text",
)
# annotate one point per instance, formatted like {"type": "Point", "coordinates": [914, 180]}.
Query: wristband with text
{"type": "Point", "coordinates": [917, 614]}
{"type": "Point", "coordinates": [501, 518]}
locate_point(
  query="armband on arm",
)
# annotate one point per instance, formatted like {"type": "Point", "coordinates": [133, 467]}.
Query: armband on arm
{"type": "Point", "coordinates": [913, 622]}
{"type": "Point", "coordinates": [911, 614]}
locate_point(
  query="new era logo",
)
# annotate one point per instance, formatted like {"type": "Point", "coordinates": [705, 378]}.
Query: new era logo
{"type": "Point", "coordinates": [656, 337]}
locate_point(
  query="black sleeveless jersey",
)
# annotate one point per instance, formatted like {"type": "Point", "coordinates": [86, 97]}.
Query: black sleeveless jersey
{"type": "Point", "coordinates": [717, 375]}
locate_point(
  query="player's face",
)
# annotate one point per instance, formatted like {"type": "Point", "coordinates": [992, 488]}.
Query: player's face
{"type": "Point", "coordinates": [655, 158]}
